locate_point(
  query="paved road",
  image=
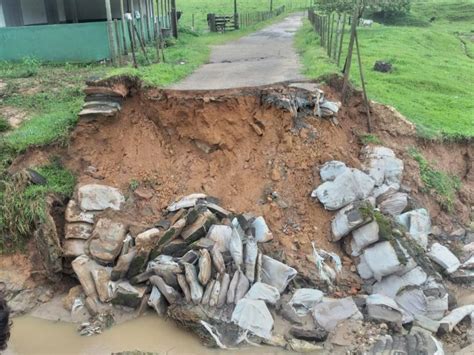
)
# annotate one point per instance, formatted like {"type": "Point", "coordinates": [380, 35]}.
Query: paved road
{"type": "Point", "coordinates": [264, 57]}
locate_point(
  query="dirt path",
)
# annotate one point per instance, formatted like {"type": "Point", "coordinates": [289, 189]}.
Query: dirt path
{"type": "Point", "coordinates": [264, 57]}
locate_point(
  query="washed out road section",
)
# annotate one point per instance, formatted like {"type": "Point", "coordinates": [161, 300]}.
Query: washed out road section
{"type": "Point", "coordinates": [264, 57]}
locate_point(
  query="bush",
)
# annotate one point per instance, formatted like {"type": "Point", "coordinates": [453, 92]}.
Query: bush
{"type": "Point", "coordinates": [4, 125]}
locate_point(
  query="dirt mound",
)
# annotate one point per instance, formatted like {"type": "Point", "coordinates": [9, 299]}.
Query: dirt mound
{"type": "Point", "coordinates": [251, 155]}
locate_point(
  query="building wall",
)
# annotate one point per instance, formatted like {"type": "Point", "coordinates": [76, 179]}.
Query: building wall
{"type": "Point", "coordinates": [61, 11]}
{"type": "Point", "coordinates": [34, 12]}
{"type": "Point", "coordinates": [2, 19]}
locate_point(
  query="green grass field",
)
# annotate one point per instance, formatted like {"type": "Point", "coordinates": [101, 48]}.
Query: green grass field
{"type": "Point", "coordinates": [433, 78]}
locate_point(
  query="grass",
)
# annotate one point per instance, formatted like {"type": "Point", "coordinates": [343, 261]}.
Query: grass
{"type": "Point", "coordinates": [444, 186]}
{"type": "Point", "coordinates": [23, 205]}
{"type": "Point", "coordinates": [432, 80]}
{"type": "Point", "coordinates": [369, 139]}
{"type": "Point", "coordinates": [4, 125]}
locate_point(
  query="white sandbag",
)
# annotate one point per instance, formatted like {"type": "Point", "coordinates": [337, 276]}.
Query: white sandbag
{"type": "Point", "coordinates": [331, 169]}
{"type": "Point", "coordinates": [276, 273]}
{"type": "Point", "coordinates": [444, 257]}
{"type": "Point", "coordinates": [233, 287]}
{"type": "Point", "coordinates": [264, 292]}
{"type": "Point", "coordinates": [251, 252]}
{"type": "Point", "coordinates": [254, 316]}
{"type": "Point", "coordinates": [194, 286]}
{"type": "Point", "coordinates": [225, 282]}
{"type": "Point", "coordinates": [262, 232]}
{"type": "Point", "coordinates": [221, 235]}
{"type": "Point", "coordinates": [242, 287]}
{"type": "Point", "coordinates": [458, 314]}
{"type": "Point", "coordinates": [304, 299]}
{"type": "Point", "coordinates": [216, 289]}
{"type": "Point", "coordinates": [236, 248]}
{"type": "Point", "coordinates": [218, 260]}
{"type": "Point", "coordinates": [204, 267]}
{"type": "Point", "coordinates": [184, 287]}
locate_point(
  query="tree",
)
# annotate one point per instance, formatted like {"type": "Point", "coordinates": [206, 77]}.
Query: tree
{"type": "Point", "coordinates": [384, 8]}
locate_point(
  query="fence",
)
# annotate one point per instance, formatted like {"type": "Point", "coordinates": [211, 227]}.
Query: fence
{"type": "Point", "coordinates": [249, 19]}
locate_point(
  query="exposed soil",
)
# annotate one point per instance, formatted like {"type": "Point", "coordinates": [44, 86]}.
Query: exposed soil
{"type": "Point", "coordinates": [230, 145]}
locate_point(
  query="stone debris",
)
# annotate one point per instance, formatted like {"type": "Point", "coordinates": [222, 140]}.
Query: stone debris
{"type": "Point", "coordinates": [330, 312]}
{"type": "Point", "coordinates": [382, 165]}
{"type": "Point", "coordinates": [332, 169]}
{"type": "Point", "coordinates": [418, 224]}
{"type": "Point", "coordinates": [304, 300]}
{"type": "Point", "coordinates": [94, 197]}
{"type": "Point", "coordinates": [350, 218]}
{"type": "Point", "coordinates": [364, 236]}
{"type": "Point", "coordinates": [448, 323]}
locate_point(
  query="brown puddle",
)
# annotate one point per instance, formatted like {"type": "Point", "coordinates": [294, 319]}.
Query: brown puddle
{"type": "Point", "coordinates": [34, 336]}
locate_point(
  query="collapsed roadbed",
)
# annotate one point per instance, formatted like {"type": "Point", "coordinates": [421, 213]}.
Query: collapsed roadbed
{"type": "Point", "coordinates": [240, 166]}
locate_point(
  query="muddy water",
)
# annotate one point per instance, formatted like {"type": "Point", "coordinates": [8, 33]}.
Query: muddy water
{"type": "Point", "coordinates": [33, 336]}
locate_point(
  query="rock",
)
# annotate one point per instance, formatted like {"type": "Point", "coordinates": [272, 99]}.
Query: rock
{"type": "Point", "coordinates": [462, 276]}
{"type": "Point", "coordinates": [194, 286]}
{"type": "Point", "coordinates": [469, 263]}
{"type": "Point", "coordinates": [364, 236]}
{"type": "Point", "coordinates": [332, 311]}
{"type": "Point", "coordinates": [288, 313]}
{"type": "Point", "coordinates": [444, 258]}
{"type": "Point", "coordinates": [413, 301]}
{"type": "Point", "coordinates": [107, 240]}
{"type": "Point", "coordinates": [350, 218]}
{"type": "Point", "coordinates": [73, 293]}
{"type": "Point", "coordinates": [390, 285]}
{"type": "Point", "coordinates": [448, 323]}
{"type": "Point", "coordinates": [393, 203]}
{"type": "Point", "coordinates": [262, 232]}
{"type": "Point", "coordinates": [458, 233]}
{"type": "Point", "coordinates": [363, 269]}
{"type": "Point", "coordinates": [101, 277]}
{"type": "Point", "coordinates": [123, 264]}
{"type": "Point", "coordinates": [316, 334]}
{"type": "Point", "coordinates": [254, 316]}
{"type": "Point", "coordinates": [74, 247]}
{"type": "Point", "coordinates": [382, 165]}
{"type": "Point", "coordinates": [304, 299]}
{"type": "Point", "coordinates": [418, 224]}
{"type": "Point", "coordinates": [382, 260]}
{"type": "Point", "coordinates": [346, 332]}
{"type": "Point", "coordinates": [157, 301]}
{"type": "Point", "coordinates": [96, 197]}
{"type": "Point", "coordinates": [171, 295]}
{"type": "Point", "coordinates": [302, 346]}
{"type": "Point", "coordinates": [384, 309]}
{"type": "Point", "coordinates": [426, 323]}
{"type": "Point", "coordinates": [242, 287]}
{"type": "Point", "coordinates": [148, 239]}
{"type": "Point", "coordinates": [83, 267]}
{"type": "Point", "coordinates": [78, 230]}
{"type": "Point", "coordinates": [332, 169]}
{"type": "Point", "coordinates": [264, 292]}
{"type": "Point", "coordinates": [417, 342]}
{"type": "Point", "coordinates": [75, 214]}
{"type": "Point", "coordinates": [127, 295]}
{"type": "Point", "coordinates": [276, 274]}
{"type": "Point", "coordinates": [383, 67]}
{"type": "Point", "coordinates": [346, 188]}
{"type": "Point", "coordinates": [436, 306]}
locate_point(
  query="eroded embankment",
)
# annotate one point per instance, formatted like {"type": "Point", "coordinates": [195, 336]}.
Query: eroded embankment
{"type": "Point", "coordinates": [256, 154]}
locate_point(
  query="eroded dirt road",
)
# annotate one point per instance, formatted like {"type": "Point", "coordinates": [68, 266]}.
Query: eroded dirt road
{"type": "Point", "coordinates": [263, 57]}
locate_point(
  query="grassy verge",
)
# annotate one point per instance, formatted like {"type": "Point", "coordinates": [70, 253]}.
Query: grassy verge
{"type": "Point", "coordinates": [433, 77]}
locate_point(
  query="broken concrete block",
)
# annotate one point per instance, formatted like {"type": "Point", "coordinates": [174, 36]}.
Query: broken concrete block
{"type": "Point", "coordinates": [350, 218]}
{"type": "Point", "coordinates": [83, 267]}
{"type": "Point", "coordinates": [75, 214]}
{"type": "Point", "coordinates": [254, 316]}
{"type": "Point", "coordinates": [186, 202]}
{"type": "Point", "coordinates": [390, 285]}
{"type": "Point", "coordinates": [101, 277]}
{"type": "Point", "coordinates": [392, 203]}
{"type": "Point", "coordinates": [221, 235]}
{"type": "Point", "coordinates": [316, 334]}
{"type": "Point", "coordinates": [264, 292]}
{"type": "Point", "coordinates": [107, 240]}
{"type": "Point", "coordinates": [332, 169]}
{"type": "Point", "coordinates": [157, 301]}
{"type": "Point", "coordinates": [74, 247]}
{"type": "Point", "coordinates": [329, 312]}
{"type": "Point", "coordinates": [382, 165]}
{"type": "Point", "coordinates": [363, 269]}
{"type": "Point", "coordinates": [448, 323]}
{"type": "Point", "coordinates": [384, 309]}
{"type": "Point", "coordinates": [304, 299]}
{"type": "Point", "coordinates": [276, 274]}
{"type": "Point", "coordinates": [444, 258]}
{"type": "Point", "coordinates": [346, 188]}
{"type": "Point", "coordinates": [382, 259]}
{"type": "Point", "coordinates": [262, 232]}
{"type": "Point", "coordinates": [364, 236]}
{"type": "Point", "coordinates": [418, 225]}
{"type": "Point", "coordinates": [126, 295]}
{"type": "Point", "coordinates": [78, 230]}
{"type": "Point", "coordinates": [94, 197]}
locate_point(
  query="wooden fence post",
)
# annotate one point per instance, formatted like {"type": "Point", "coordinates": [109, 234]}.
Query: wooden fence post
{"type": "Point", "coordinates": [124, 37]}
{"type": "Point", "coordinates": [174, 19]}
{"type": "Point", "coordinates": [347, 68]}
{"type": "Point", "coordinates": [341, 39]}
{"type": "Point", "coordinates": [366, 100]}
{"type": "Point", "coordinates": [110, 30]}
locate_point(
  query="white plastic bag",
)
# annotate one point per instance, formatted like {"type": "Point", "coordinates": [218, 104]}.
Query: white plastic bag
{"type": "Point", "coordinates": [276, 273]}
{"type": "Point", "coordinates": [254, 316]}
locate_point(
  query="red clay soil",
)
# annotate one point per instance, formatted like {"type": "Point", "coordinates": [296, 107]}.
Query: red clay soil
{"type": "Point", "coordinates": [254, 151]}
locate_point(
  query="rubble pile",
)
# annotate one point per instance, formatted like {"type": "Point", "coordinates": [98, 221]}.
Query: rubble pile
{"type": "Point", "coordinates": [388, 239]}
